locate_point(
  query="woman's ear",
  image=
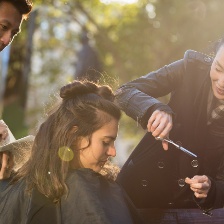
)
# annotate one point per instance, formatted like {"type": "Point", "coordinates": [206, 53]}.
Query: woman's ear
{"type": "Point", "coordinates": [83, 142]}
{"type": "Point", "coordinates": [74, 129]}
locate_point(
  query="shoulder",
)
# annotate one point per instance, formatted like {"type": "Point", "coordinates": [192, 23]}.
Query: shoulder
{"type": "Point", "coordinates": [198, 57]}
{"type": "Point", "coordinates": [14, 188]}
{"type": "Point", "coordinates": [14, 201]}
{"type": "Point", "coordinates": [83, 176]}
{"type": "Point", "coordinates": [109, 173]}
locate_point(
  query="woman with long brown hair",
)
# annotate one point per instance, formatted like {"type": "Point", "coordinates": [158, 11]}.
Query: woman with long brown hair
{"type": "Point", "coordinates": [68, 177]}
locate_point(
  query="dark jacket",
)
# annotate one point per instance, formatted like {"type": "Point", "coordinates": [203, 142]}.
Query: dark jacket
{"type": "Point", "coordinates": [152, 177]}
{"type": "Point", "coordinates": [91, 199]}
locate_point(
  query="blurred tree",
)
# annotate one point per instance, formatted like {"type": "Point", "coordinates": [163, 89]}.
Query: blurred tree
{"type": "Point", "coordinates": [131, 39]}
{"type": "Point", "coordinates": [27, 58]}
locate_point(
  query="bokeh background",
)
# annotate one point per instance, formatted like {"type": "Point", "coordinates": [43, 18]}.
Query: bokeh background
{"type": "Point", "coordinates": [125, 38]}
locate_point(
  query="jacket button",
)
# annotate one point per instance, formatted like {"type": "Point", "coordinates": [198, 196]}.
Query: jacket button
{"type": "Point", "coordinates": [194, 163]}
{"type": "Point", "coordinates": [161, 164]}
{"type": "Point", "coordinates": [170, 204]}
{"type": "Point", "coordinates": [144, 183]}
{"type": "Point", "coordinates": [207, 59]}
{"type": "Point", "coordinates": [181, 182]}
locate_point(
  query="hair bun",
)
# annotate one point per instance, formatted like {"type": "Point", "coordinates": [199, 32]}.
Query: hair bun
{"type": "Point", "coordinates": [106, 92]}
{"type": "Point", "coordinates": [77, 88]}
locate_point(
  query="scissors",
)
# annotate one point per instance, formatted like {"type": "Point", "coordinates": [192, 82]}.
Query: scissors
{"type": "Point", "coordinates": [177, 146]}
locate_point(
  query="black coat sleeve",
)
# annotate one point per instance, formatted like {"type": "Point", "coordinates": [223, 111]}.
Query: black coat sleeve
{"type": "Point", "coordinates": [138, 98]}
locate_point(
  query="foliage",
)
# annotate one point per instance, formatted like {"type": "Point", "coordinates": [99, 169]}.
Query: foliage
{"type": "Point", "coordinates": [131, 40]}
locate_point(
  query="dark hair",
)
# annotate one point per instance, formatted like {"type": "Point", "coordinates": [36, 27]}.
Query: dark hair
{"type": "Point", "coordinates": [84, 105]}
{"type": "Point", "coordinates": [23, 6]}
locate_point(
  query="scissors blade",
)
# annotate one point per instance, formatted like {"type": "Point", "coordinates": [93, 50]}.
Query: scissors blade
{"type": "Point", "coordinates": [177, 146]}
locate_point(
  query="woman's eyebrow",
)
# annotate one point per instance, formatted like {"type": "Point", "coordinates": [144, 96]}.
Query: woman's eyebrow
{"type": "Point", "coordinates": [217, 62]}
{"type": "Point", "coordinates": [110, 137]}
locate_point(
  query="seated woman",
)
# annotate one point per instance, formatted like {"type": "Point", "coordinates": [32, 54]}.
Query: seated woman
{"type": "Point", "coordinates": [68, 177]}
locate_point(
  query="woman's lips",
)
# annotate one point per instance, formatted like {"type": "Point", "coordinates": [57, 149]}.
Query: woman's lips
{"type": "Point", "coordinates": [102, 163]}
{"type": "Point", "coordinates": [220, 91]}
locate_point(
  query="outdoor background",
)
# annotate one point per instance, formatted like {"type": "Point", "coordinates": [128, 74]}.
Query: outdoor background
{"type": "Point", "coordinates": [129, 39]}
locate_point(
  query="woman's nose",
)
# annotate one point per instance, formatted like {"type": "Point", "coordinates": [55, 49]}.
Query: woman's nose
{"type": "Point", "coordinates": [221, 81]}
{"type": "Point", "coordinates": [111, 151]}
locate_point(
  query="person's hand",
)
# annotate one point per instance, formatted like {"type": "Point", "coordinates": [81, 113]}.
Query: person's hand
{"type": "Point", "coordinates": [3, 131]}
{"type": "Point", "coordinates": [159, 124]}
{"type": "Point", "coordinates": [7, 164]}
{"type": "Point", "coordinates": [200, 185]}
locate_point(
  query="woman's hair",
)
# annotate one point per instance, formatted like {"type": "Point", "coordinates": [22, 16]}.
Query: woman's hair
{"type": "Point", "coordinates": [85, 107]}
{"type": "Point", "coordinates": [214, 47]}
{"type": "Point", "coordinates": [23, 6]}
{"type": "Point", "coordinates": [219, 44]}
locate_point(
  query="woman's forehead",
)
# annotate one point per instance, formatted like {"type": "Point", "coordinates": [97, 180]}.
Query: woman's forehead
{"type": "Point", "coordinates": [109, 129]}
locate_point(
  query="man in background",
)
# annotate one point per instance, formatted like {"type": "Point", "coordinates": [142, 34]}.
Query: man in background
{"type": "Point", "coordinates": [12, 14]}
{"type": "Point", "coordinates": [88, 65]}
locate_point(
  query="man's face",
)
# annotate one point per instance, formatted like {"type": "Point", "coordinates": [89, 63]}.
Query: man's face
{"type": "Point", "coordinates": [10, 23]}
{"type": "Point", "coordinates": [217, 74]}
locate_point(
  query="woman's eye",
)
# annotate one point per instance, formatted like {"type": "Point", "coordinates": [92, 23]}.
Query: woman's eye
{"type": "Point", "coordinates": [106, 143]}
{"type": "Point", "coordinates": [218, 70]}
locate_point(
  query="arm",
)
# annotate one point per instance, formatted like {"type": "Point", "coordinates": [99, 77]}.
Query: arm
{"type": "Point", "coordinates": [138, 97]}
